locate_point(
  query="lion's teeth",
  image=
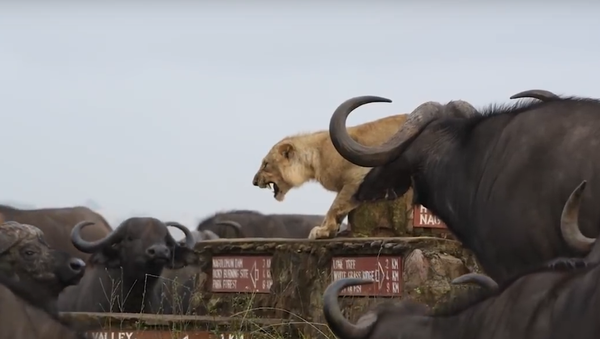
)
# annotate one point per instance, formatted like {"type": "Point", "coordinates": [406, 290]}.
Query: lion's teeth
{"type": "Point", "coordinates": [270, 186]}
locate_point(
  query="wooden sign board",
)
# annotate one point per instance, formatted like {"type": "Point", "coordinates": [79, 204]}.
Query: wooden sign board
{"type": "Point", "coordinates": [385, 270]}
{"type": "Point", "coordinates": [240, 273]}
{"type": "Point", "coordinates": [423, 218]}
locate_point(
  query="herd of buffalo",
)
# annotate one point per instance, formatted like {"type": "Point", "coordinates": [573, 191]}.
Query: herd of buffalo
{"type": "Point", "coordinates": [514, 183]}
{"type": "Point", "coordinates": [71, 260]}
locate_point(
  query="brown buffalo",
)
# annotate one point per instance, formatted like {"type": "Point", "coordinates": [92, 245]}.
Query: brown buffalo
{"type": "Point", "coordinates": [125, 266]}
{"type": "Point", "coordinates": [22, 317]}
{"type": "Point", "coordinates": [31, 277]}
{"type": "Point", "coordinates": [26, 258]}
{"type": "Point", "coordinates": [57, 223]}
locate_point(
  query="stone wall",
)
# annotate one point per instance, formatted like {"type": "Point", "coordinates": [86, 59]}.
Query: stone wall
{"type": "Point", "coordinates": [396, 219]}
{"type": "Point", "coordinates": [281, 281]}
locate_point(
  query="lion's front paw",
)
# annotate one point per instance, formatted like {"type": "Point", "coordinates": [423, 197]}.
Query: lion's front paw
{"type": "Point", "coordinates": [320, 232]}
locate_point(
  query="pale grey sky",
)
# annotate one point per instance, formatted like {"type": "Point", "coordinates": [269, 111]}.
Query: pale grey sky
{"type": "Point", "coordinates": [167, 108]}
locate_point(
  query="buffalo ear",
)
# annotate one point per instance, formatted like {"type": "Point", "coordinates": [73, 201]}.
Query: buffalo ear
{"type": "Point", "coordinates": [385, 183]}
{"type": "Point", "coordinates": [286, 150]}
{"type": "Point", "coordinates": [182, 256]}
{"type": "Point", "coordinates": [108, 257]}
{"type": "Point", "coordinates": [8, 240]}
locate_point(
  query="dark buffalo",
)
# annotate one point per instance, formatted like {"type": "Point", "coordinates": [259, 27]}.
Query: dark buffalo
{"type": "Point", "coordinates": [497, 178]}
{"type": "Point", "coordinates": [253, 224]}
{"type": "Point", "coordinates": [21, 317]}
{"type": "Point", "coordinates": [559, 301]}
{"type": "Point", "coordinates": [57, 223]}
{"type": "Point", "coordinates": [177, 285]}
{"type": "Point", "coordinates": [31, 277]}
{"type": "Point", "coordinates": [125, 266]}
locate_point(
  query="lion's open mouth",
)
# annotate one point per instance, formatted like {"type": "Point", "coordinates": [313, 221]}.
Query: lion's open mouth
{"type": "Point", "coordinates": [273, 187]}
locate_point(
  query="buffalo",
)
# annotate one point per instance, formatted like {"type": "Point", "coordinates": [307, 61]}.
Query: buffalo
{"type": "Point", "coordinates": [22, 317]}
{"type": "Point", "coordinates": [57, 223]}
{"type": "Point", "coordinates": [124, 267]}
{"type": "Point", "coordinates": [555, 300]}
{"type": "Point", "coordinates": [31, 277]}
{"type": "Point", "coordinates": [253, 224]}
{"type": "Point", "coordinates": [26, 258]}
{"type": "Point", "coordinates": [496, 177]}
{"type": "Point", "coordinates": [177, 285]}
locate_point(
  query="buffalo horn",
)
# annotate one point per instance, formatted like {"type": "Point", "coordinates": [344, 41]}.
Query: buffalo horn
{"type": "Point", "coordinates": [539, 94]}
{"type": "Point", "coordinates": [230, 223]}
{"type": "Point", "coordinates": [93, 246]}
{"type": "Point", "coordinates": [379, 155]}
{"type": "Point", "coordinates": [338, 324]}
{"type": "Point", "coordinates": [189, 237]}
{"type": "Point", "coordinates": [210, 235]}
{"type": "Point", "coordinates": [478, 279]}
{"type": "Point", "coordinates": [569, 222]}
{"type": "Point", "coordinates": [236, 225]}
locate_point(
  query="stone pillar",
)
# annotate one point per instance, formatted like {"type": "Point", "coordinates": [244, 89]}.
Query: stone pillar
{"type": "Point", "coordinates": [393, 219]}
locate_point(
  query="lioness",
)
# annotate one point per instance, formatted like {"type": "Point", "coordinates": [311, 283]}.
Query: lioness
{"type": "Point", "coordinates": [311, 157]}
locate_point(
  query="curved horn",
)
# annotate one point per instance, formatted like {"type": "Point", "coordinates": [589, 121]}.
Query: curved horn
{"type": "Point", "coordinates": [230, 223]}
{"type": "Point", "coordinates": [379, 155]}
{"type": "Point", "coordinates": [210, 235]}
{"type": "Point", "coordinates": [569, 222]}
{"type": "Point", "coordinates": [93, 246]}
{"type": "Point", "coordinates": [539, 94]}
{"type": "Point", "coordinates": [478, 279]}
{"type": "Point", "coordinates": [189, 237]}
{"type": "Point", "coordinates": [233, 224]}
{"type": "Point", "coordinates": [336, 321]}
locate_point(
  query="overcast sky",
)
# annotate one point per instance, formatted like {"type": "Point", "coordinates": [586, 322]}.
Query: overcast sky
{"type": "Point", "coordinates": [167, 109]}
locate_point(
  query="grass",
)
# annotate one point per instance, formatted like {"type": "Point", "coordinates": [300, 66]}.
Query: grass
{"type": "Point", "coordinates": [303, 272]}
{"type": "Point", "coordinates": [245, 320]}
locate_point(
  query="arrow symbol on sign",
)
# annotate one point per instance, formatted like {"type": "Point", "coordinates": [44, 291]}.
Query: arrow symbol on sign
{"type": "Point", "coordinates": [254, 274]}
{"type": "Point", "coordinates": [381, 274]}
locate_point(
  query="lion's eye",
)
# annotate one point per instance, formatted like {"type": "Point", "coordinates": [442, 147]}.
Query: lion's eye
{"type": "Point", "coordinates": [265, 165]}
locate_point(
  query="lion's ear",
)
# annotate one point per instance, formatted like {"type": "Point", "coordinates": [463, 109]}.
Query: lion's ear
{"type": "Point", "coordinates": [286, 150]}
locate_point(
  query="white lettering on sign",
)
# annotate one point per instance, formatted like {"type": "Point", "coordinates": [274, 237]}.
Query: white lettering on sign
{"type": "Point", "coordinates": [112, 335]}
{"type": "Point", "coordinates": [384, 271]}
{"type": "Point", "coordinates": [426, 218]}
{"type": "Point", "coordinates": [232, 336]}
{"type": "Point", "coordinates": [244, 274]}
{"type": "Point", "coordinates": [422, 217]}
{"type": "Point", "coordinates": [228, 263]}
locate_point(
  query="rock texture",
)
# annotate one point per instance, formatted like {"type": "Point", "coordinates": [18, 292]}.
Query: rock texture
{"type": "Point", "coordinates": [301, 270]}
{"type": "Point", "coordinates": [390, 219]}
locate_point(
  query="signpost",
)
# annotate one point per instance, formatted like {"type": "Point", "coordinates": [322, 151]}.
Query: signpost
{"type": "Point", "coordinates": [386, 271]}
{"type": "Point", "coordinates": [423, 218]}
{"type": "Point", "coordinates": [241, 274]}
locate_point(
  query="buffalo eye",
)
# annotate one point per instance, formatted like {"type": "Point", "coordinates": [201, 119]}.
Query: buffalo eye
{"type": "Point", "coordinates": [129, 238]}
{"type": "Point", "coordinates": [29, 253]}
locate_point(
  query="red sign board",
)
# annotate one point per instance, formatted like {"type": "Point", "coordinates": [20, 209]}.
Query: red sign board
{"type": "Point", "coordinates": [423, 218]}
{"type": "Point", "coordinates": [148, 334]}
{"type": "Point", "coordinates": [385, 270]}
{"type": "Point", "coordinates": [241, 274]}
